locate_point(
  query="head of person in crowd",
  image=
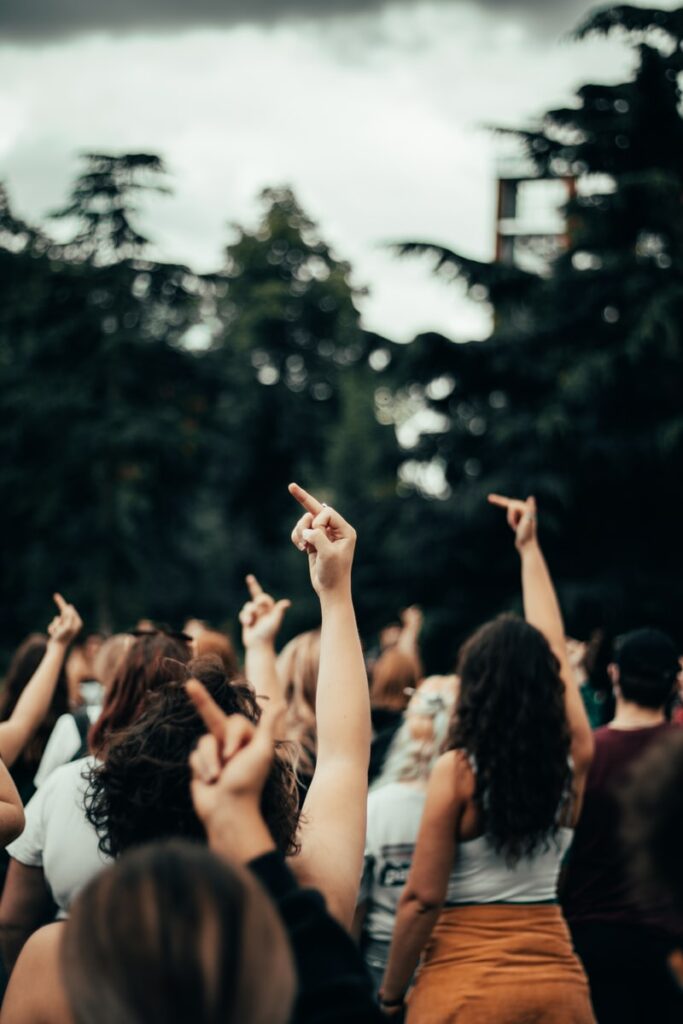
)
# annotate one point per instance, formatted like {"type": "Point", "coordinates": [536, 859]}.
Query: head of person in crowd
{"type": "Point", "coordinates": [109, 658]}
{"type": "Point", "coordinates": [150, 662]}
{"type": "Point", "coordinates": [394, 677]}
{"type": "Point", "coordinates": [209, 642]}
{"type": "Point", "coordinates": [141, 791]}
{"type": "Point", "coordinates": [644, 669]}
{"type": "Point", "coordinates": [510, 721]}
{"type": "Point", "coordinates": [418, 743]}
{"type": "Point", "coordinates": [652, 826]}
{"type": "Point", "coordinates": [22, 667]}
{"type": "Point", "coordinates": [297, 667]}
{"type": "Point", "coordinates": [171, 934]}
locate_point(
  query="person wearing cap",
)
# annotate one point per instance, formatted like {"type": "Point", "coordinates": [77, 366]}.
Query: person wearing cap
{"type": "Point", "coordinates": [622, 940]}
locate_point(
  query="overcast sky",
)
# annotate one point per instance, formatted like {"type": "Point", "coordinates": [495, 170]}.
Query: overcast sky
{"type": "Point", "coordinates": [372, 112]}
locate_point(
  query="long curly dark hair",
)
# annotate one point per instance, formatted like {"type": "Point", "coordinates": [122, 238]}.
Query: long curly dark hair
{"type": "Point", "coordinates": [510, 720]}
{"type": "Point", "coordinates": [140, 793]}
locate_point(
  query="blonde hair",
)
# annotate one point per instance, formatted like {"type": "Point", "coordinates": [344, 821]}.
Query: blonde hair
{"type": "Point", "coordinates": [297, 665]}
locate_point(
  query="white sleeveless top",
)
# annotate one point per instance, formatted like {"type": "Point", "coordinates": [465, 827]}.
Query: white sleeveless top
{"type": "Point", "coordinates": [480, 875]}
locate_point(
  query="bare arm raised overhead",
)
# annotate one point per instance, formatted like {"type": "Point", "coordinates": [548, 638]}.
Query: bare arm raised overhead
{"type": "Point", "coordinates": [542, 610]}
{"type": "Point", "coordinates": [334, 812]}
{"type": "Point", "coordinates": [34, 703]}
{"type": "Point", "coordinates": [261, 619]}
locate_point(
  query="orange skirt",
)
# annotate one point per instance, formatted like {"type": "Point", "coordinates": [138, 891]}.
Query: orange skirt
{"type": "Point", "coordinates": [500, 964]}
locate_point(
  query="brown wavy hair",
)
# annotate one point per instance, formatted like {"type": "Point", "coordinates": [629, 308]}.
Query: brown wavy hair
{"type": "Point", "coordinates": [141, 792]}
{"type": "Point", "coordinates": [510, 720]}
{"type": "Point", "coordinates": [153, 660]}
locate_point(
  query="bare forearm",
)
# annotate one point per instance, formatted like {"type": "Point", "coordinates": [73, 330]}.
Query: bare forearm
{"type": "Point", "coordinates": [33, 705]}
{"type": "Point", "coordinates": [342, 703]}
{"type": "Point", "coordinates": [260, 666]}
{"type": "Point", "coordinates": [541, 607]}
{"type": "Point", "coordinates": [414, 924]}
{"type": "Point", "coordinates": [542, 610]}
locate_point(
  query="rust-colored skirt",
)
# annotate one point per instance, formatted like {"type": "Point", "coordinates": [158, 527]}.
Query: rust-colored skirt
{"type": "Point", "coordinates": [500, 963]}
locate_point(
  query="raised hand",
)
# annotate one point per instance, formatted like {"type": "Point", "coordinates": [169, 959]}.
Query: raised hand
{"type": "Point", "coordinates": [521, 517]}
{"type": "Point", "coordinates": [411, 618]}
{"type": "Point", "coordinates": [328, 540]}
{"type": "Point", "coordinates": [229, 767]}
{"type": "Point", "coordinates": [261, 617]}
{"type": "Point", "coordinates": [66, 625]}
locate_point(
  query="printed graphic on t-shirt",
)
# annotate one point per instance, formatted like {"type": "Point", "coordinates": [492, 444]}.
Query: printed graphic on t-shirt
{"type": "Point", "coordinates": [393, 865]}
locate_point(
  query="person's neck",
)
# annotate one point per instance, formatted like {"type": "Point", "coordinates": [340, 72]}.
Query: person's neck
{"type": "Point", "coordinates": [634, 716]}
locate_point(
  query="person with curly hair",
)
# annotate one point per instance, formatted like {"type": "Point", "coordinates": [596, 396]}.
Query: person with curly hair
{"type": "Point", "coordinates": [140, 793]}
{"type": "Point", "coordinates": [501, 806]}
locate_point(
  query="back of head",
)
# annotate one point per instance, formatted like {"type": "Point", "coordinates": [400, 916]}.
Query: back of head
{"type": "Point", "coordinates": [393, 677]}
{"type": "Point", "coordinates": [510, 720]}
{"type": "Point", "coordinates": [152, 661]}
{"type": "Point", "coordinates": [171, 935]}
{"type": "Point", "coordinates": [297, 666]}
{"type": "Point", "coordinates": [210, 642]}
{"type": "Point", "coordinates": [647, 660]}
{"type": "Point", "coordinates": [417, 744]}
{"type": "Point", "coordinates": [109, 658]}
{"type": "Point", "coordinates": [141, 791]}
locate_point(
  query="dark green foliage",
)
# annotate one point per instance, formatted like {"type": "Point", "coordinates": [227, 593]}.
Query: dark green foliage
{"type": "Point", "coordinates": [576, 394]}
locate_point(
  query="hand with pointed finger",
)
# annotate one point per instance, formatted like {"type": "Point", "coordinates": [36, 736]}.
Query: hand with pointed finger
{"type": "Point", "coordinates": [521, 517]}
{"type": "Point", "coordinates": [66, 625]}
{"type": "Point", "coordinates": [329, 542]}
{"type": "Point", "coordinates": [230, 766]}
{"type": "Point", "coordinates": [261, 617]}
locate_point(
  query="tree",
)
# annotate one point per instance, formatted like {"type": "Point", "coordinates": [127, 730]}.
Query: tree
{"type": "Point", "coordinates": [103, 410]}
{"type": "Point", "coordinates": [295, 362]}
{"type": "Point", "coordinates": [575, 396]}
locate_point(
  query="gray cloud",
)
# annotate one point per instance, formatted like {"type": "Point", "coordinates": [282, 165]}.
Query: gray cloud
{"type": "Point", "coordinates": [39, 20]}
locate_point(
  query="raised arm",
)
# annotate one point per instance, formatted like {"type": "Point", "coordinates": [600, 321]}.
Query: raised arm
{"type": "Point", "coordinates": [261, 619]}
{"type": "Point", "coordinates": [334, 812]}
{"type": "Point", "coordinates": [542, 610]}
{"type": "Point", "coordinates": [408, 641]}
{"type": "Point", "coordinates": [425, 891]}
{"type": "Point", "coordinates": [34, 703]}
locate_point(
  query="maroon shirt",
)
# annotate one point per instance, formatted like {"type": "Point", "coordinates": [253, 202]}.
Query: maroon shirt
{"type": "Point", "coordinates": [597, 886]}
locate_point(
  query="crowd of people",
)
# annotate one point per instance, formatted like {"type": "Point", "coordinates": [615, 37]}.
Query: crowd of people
{"type": "Point", "coordinates": [325, 835]}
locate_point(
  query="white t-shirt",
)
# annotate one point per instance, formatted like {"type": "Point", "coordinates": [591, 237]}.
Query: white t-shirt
{"type": "Point", "coordinates": [394, 815]}
{"type": "Point", "coordinates": [58, 837]}
{"type": "Point", "coordinates": [63, 744]}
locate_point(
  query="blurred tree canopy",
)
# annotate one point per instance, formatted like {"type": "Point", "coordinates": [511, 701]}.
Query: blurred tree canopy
{"type": "Point", "coordinates": [151, 417]}
{"type": "Point", "coordinates": [576, 395]}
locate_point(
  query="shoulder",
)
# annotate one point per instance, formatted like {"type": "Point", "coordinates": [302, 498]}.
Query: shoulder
{"type": "Point", "coordinates": [46, 1003]}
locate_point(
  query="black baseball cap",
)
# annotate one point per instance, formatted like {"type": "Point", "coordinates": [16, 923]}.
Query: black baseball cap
{"type": "Point", "coordinates": [647, 652]}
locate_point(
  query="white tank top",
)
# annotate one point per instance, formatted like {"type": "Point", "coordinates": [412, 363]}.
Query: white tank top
{"type": "Point", "coordinates": [480, 875]}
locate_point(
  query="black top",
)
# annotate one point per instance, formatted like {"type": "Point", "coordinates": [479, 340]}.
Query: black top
{"type": "Point", "coordinates": [333, 985]}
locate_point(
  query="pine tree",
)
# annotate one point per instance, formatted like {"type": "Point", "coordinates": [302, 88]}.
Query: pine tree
{"type": "Point", "coordinates": [102, 408]}
{"type": "Point", "coordinates": [575, 396]}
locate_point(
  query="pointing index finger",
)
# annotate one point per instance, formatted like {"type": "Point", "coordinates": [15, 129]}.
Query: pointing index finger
{"type": "Point", "coordinates": [214, 719]}
{"type": "Point", "coordinates": [310, 503]}
{"type": "Point", "coordinates": [60, 602]}
{"type": "Point", "coordinates": [255, 588]}
{"type": "Point", "coordinates": [500, 501]}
